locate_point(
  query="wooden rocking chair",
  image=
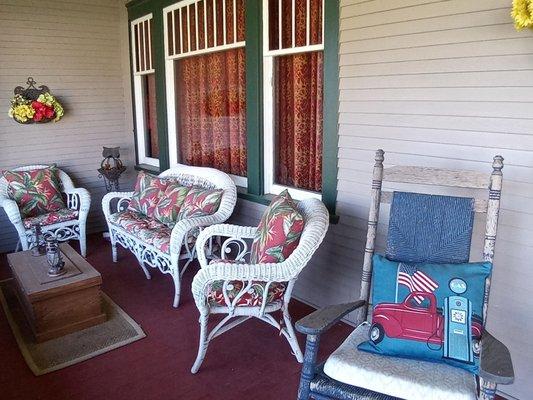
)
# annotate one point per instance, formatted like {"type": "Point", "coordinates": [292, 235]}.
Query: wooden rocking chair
{"type": "Point", "coordinates": [437, 381]}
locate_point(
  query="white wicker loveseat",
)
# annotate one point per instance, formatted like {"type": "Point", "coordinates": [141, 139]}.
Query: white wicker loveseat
{"type": "Point", "coordinates": [72, 226]}
{"type": "Point", "coordinates": [266, 275]}
{"type": "Point", "coordinates": [183, 235]}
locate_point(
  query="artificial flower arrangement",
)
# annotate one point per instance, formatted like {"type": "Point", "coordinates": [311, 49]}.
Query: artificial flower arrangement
{"type": "Point", "coordinates": [35, 105]}
{"type": "Point", "coordinates": [522, 14]}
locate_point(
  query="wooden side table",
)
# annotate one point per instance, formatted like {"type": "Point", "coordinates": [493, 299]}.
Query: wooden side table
{"type": "Point", "coordinates": [56, 306]}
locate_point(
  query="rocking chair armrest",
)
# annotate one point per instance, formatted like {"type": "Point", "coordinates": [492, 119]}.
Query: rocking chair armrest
{"type": "Point", "coordinates": [324, 318]}
{"type": "Point", "coordinates": [83, 199]}
{"type": "Point", "coordinates": [12, 210]}
{"type": "Point", "coordinates": [226, 230]}
{"type": "Point", "coordinates": [106, 200]}
{"type": "Point", "coordinates": [495, 362]}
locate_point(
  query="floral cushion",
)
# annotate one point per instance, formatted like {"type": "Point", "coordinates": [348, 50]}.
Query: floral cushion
{"type": "Point", "coordinates": [131, 221]}
{"type": "Point", "coordinates": [149, 230]}
{"type": "Point", "coordinates": [54, 217]}
{"type": "Point", "coordinates": [147, 193]}
{"type": "Point", "coordinates": [200, 202]}
{"type": "Point", "coordinates": [36, 192]}
{"type": "Point", "coordinates": [252, 298]}
{"type": "Point", "coordinates": [169, 206]}
{"type": "Point", "coordinates": [278, 232]}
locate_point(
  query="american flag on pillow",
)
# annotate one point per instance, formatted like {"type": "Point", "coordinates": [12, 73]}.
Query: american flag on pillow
{"type": "Point", "coordinates": [415, 281]}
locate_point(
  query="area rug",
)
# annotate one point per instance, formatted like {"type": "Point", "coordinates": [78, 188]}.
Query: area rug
{"type": "Point", "coordinates": [119, 330]}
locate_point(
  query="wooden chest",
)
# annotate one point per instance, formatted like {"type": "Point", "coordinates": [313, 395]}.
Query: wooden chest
{"type": "Point", "coordinates": [56, 306]}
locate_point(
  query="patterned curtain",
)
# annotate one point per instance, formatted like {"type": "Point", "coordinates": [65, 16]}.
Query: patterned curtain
{"type": "Point", "coordinates": [211, 110]}
{"type": "Point", "coordinates": [211, 94]}
{"type": "Point", "coordinates": [299, 100]}
{"type": "Point", "coordinates": [151, 117]}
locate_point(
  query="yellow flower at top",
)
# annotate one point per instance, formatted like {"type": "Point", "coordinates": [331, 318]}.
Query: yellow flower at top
{"type": "Point", "coordinates": [522, 14]}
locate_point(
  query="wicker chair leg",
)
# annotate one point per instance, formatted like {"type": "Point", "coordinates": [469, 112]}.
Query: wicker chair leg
{"type": "Point", "coordinates": [203, 343]}
{"type": "Point", "coordinates": [114, 250]}
{"type": "Point", "coordinates": [293, 341]}
{"type": "Point", "coordinates": [83, 241]}
{"type": "Point", "coordinates": [309, 367]}
{"type": "Point", "coordinates": [145, 270]}
{"type": "Point", "coordinates": [177, 288]}
{"type": "Point", "coordinates": [487, 390]}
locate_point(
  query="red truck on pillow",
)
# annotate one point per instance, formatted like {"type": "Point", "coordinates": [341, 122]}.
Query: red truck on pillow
{"type": "Point", "coordinates": [416, 321]}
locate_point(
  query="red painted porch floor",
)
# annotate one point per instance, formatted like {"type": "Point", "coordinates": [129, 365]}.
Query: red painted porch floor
{"type": "Point", "coordinates": [249, 362]}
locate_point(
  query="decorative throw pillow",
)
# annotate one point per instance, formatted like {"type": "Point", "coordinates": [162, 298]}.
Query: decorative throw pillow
{"type": "Point", "coordinates": [169, 206]}
{"type": "Point", "coordinates": [36, 192]}
{"type": "Point", "coordinates": [428, 311]}
{"type": "Point", "coordinates": [200, 202]}
{"type": "Point", "coordinates": [278, 232]}
{"type": "Point", "coordinates": [147, 193]}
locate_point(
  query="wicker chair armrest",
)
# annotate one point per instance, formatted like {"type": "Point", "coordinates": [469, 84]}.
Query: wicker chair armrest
{"type": "Point", "coordinates": [12, 210]}
{"type": "Point", "coordinates": [495, 363]}
{"type": "Point", "coordinates": [324, 318]}
{"type": "Point", "coordinates": [78, 198]}
{"type": "Point", "coordinates": [226, 230]}
{"type": "Point", "coordinates": [106, 201]}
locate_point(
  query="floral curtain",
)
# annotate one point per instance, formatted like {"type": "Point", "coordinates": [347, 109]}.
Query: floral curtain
{"type": "Point", "coordinates": [299, 86]}
{"type": "Point", "coordinates": [211, 110]}
{"type": "Point", "coordinates": [151, 117]}
{"type": "Point", "coordinates": [299, 83]}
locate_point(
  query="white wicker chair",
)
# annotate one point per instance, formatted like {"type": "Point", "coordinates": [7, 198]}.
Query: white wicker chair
{"type": "Point", "coordinates": [316, 225]}
{"type": "Point", "coordinates": [77, 199]}
{"type": "Point", "coordinates": [184, 231]}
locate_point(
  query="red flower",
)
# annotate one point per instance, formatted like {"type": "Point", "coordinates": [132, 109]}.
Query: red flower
{"type": "Point", "coordinates": [42, 111]}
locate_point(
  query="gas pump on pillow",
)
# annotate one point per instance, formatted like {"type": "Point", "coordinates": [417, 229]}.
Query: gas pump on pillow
{"type": "Point", "coordinates": [458, 324]}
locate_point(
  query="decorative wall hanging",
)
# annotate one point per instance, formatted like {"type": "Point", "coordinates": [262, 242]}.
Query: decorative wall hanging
{"type": "Point", "coordinates": [34, 104]}
{"type": "Point", "coordinates": [522, 14]}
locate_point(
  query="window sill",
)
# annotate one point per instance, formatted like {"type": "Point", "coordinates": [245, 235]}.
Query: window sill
{"type": "Point", "coordinates": [265, 199]}
{"type": "Point", "coordinates": [147, 168]}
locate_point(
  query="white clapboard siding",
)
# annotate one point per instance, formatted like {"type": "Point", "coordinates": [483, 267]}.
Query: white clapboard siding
{"type": "Point", "coordinates": [448, 85]}
{"type": "Point", "coordinates": [79, 50]}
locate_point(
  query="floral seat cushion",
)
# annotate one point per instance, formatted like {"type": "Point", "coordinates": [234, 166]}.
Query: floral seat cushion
{"type": "Point", "coordinates": [200, 202]}
{"type": "Point", "coordinates": [170, 204]}
{"type": "Point", "coordinates": [149, 230]}
{"type": "Point", "coordinates": [54, 217]}
{"type": "Point", "coordinates": [36, 192]}
{"type": "Point", "coordinates": [253, 296]}
{"type": "Point", "coordinates": [147, 193]}
{"type": "Point", "coordinates": [278, 232]}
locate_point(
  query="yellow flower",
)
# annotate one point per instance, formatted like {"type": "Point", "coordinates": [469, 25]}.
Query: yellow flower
{"type": "Point", "coordinates": [522, 14]}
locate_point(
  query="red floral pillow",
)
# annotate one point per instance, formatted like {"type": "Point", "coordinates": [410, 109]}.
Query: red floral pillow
{"type": "Point", "coordinates": [200, 202]}
{"type": "Point", "coordinates": [36, 192]}
{"type": "Point", "coordinates": [278, 232]}
{"type": "Point", "coordinates": [147, 193]}
{"type": "Point", "coordinates": [169, 206]}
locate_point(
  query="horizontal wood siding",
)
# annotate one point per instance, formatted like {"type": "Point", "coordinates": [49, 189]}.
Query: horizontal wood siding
{"type": "Point", "coordinates": [79, 50]}
{"type": "Point", "coordinates": [442, 84]}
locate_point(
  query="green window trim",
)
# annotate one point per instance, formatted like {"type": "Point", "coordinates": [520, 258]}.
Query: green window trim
{"type": "Point", "coordinates": [254, 96]}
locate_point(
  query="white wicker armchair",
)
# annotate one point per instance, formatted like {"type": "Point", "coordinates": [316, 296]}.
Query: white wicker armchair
{"type": "Point", "coordinates": [76, 199]}
{"type": "Point", "coordinates": [183, 233]}
{"type": "Point", "coordinates": [316, 219]}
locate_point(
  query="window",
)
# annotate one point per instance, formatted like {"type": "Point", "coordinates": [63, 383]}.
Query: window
{"type": "Point", "coordinates": [293, 96]}
{"type": "Point", "coordinates": [144, 91]}
{"type": "Point", "coordinates": [206, 85]}
{"type": "Point", "coordinates": [250, 88]}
